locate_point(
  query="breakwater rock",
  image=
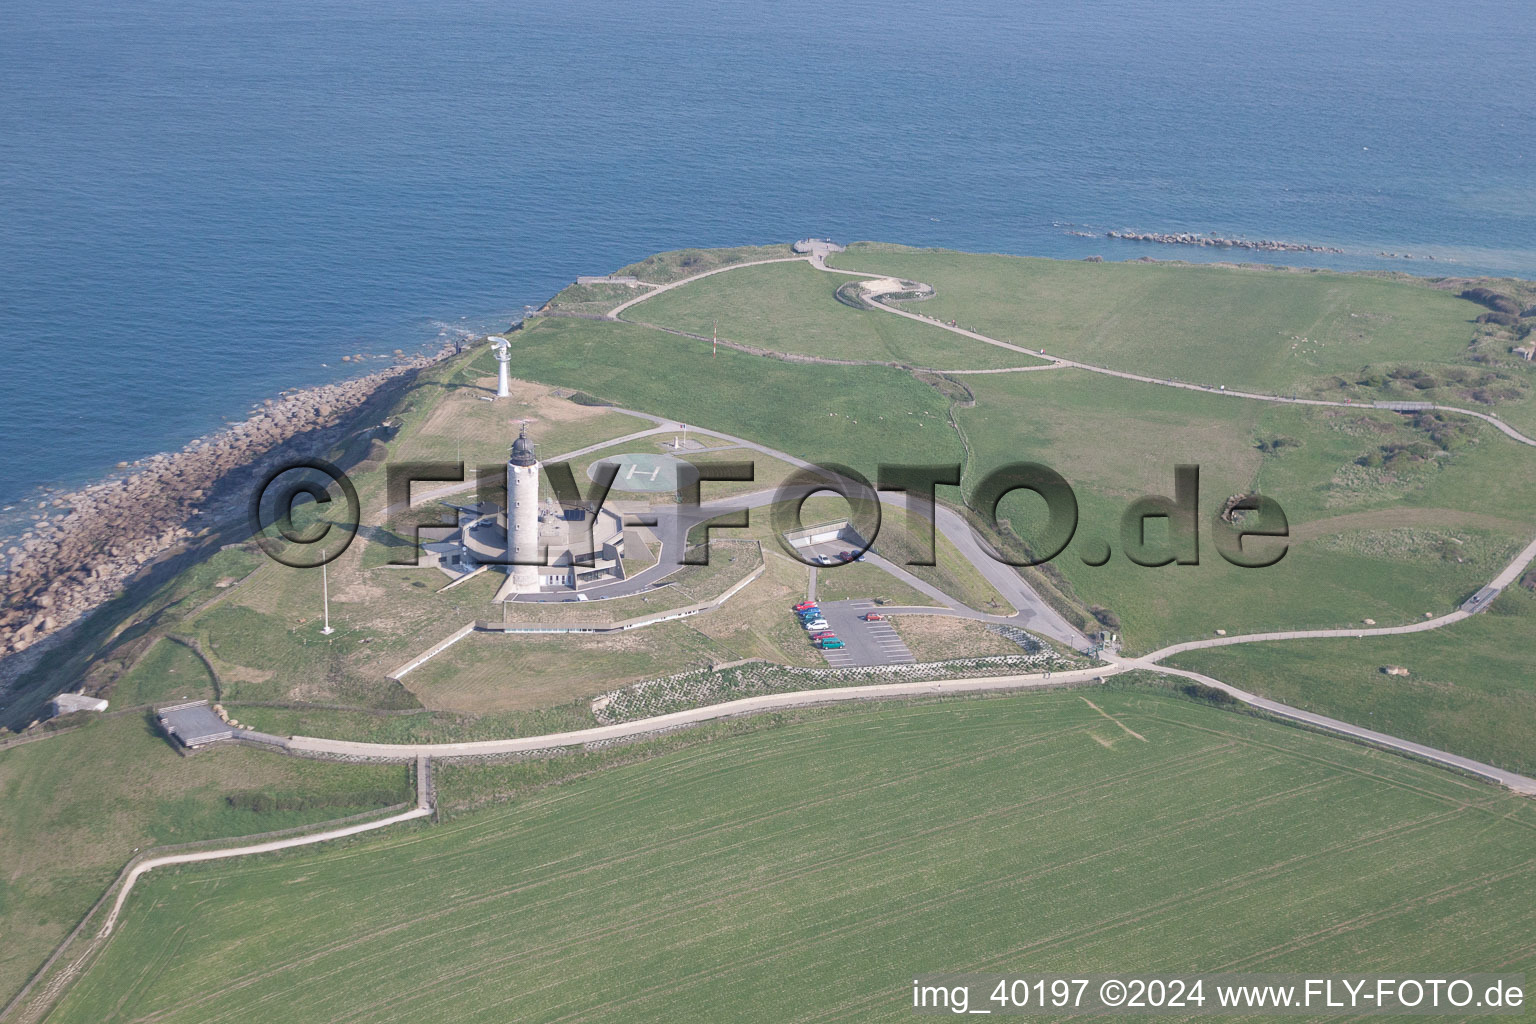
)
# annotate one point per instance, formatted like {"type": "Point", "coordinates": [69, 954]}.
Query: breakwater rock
{"type": "Point", "coordinates": [1216, 241]}
{"type": "Point", "coordinates": [83, 546]}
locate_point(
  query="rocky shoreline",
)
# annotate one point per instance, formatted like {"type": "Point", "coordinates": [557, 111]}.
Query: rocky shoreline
{"type": "Point", "coordinates": [84, 546]}
{"type": "Point", "coordinates": [1215, 241]}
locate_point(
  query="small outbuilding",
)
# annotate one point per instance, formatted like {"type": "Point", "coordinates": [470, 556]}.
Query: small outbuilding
{"type": "Point", "coordinates": [67, 703]}
{"type": "Point", "coordinates": [193, 724]}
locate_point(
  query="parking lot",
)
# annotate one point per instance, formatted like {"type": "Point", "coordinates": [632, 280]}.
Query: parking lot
{"type": "Point", "coordinates": [868, 643]}
{"type": "Point", "coordinates": [828, 550]}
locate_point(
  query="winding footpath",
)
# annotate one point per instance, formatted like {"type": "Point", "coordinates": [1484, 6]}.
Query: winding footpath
{"type": "Point", "coordinates": [657, 289]}
{"type": "Point", "coordinates": [422, 809]}
{"type": "Point", "coordinates": [1060, 362]}
{"type": "Point", "coordinates": [1033, 612]}
{"type": "Point", "coordinates": [1008, 582]}
{"type": "Point", "coordinates": [1150, 662]}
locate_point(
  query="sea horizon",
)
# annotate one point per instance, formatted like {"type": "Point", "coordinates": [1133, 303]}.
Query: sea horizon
{"type": "Point", "coordinates": [205, 209]}
{"type": "Point", "coordinates": [20, 510]}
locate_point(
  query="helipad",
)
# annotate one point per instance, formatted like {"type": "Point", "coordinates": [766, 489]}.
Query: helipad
{"type": "Point", "coordinates": [644, 472]}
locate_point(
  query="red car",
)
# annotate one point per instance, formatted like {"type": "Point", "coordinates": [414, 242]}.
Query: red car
{"type": "Point", "coordinates": [825, 634]}
{"type": "Point", "coordinates": [873, 617]}
{"type": "Point", "coordinates": [805, 606]}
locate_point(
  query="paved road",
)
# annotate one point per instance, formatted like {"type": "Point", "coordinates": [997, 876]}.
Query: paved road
{"type": "Point", "coordinates": [1506, 576]}
{"type": "Point", "coordinates": [674, 522]}
{"type": "Point", "coordinates": [1513, 780]}
{"type": "Point", "coordinates": [1010, 586]}
{"type": "Point", "coordinates": [693, 716]}
{"type": "Point", "coordinates": [805, 698]}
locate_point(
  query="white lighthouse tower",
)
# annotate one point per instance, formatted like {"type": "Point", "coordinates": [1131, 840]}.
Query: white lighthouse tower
{"type": "Point", "coordinates": [503, 356]}
{"type": "Point", "coordinates": [522, 513]}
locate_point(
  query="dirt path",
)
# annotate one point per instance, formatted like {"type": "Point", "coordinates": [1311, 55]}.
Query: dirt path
{"type": "Point", "coordinates": [657, 289]}
{"type": "Point", "coordinates": [1396, 518]}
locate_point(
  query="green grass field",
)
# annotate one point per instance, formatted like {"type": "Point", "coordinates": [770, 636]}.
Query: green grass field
{"type": "Point", "coordinates": [899, 542]}
{"type": "Point", "coordinates": [676, 264]}
{"type": "Point", "coordinates": [809, 872]}
{"type": "Point", "coordinates": [168, 671]}
{"type": "Point", "coordinates": [1471, 686]}
{"type": "Point", "coordinates": [1388, 542]}
{"type": "Point", "coordinates": [73, 809]}
{"type": "Point", "coordinates": [1431, 524]}
{"type": "Point", "coordinates": [1266, 329]}
{"type": "Point", "coordinates": [806, 872]}
{"type": "Point", "coordinates": [788, 307]}
{"type": "Point", "coordinates": [856, 415]}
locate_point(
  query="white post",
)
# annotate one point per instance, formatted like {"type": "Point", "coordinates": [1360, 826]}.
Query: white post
{"type": "Point", "coordinates": [503, 355]}
{"type": "Point", "coordinates": [325, 590]}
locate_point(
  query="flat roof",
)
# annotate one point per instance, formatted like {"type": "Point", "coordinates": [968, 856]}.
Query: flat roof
{"type": "Point", "coordinates": [194, 724]}
{"type": "Point", "coordinates": [67, 702]}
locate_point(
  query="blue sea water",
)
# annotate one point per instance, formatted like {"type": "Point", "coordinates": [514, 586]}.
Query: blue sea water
{"type": "Point", "coordinates": [202, 203]}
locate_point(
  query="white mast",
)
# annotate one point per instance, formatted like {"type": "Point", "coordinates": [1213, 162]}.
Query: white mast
{"type": "Point", "coordinates": [503, 356]}
{"type": "Point", "coordinates": [325, 591]}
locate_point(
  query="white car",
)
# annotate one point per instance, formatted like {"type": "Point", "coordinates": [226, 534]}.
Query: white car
{"type": "Point", "coordinates": [815, 624]}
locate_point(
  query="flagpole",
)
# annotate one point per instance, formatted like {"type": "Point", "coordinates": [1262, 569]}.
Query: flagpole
{"type": "Point", "coordinates": [325, 590]}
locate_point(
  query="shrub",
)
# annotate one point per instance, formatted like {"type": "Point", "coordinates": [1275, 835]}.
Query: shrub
{"type": "Point", "coordinates": [67, 721]}
{"type": "Point", "coordinates": [1442, 429]}
{"type": "Point", "coordinates": [1503, 319]}
{"type": "Point", "coordinates": [1106, 618]}
{"type": "Point", "coordinates": [1207, 694]}
{"type": "Point", "coordinates": [1496, 301]}
{"type": "Point", "coordinates": [263, 802]}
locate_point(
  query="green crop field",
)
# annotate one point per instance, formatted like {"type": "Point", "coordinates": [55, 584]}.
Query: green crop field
{"type": "Point", "coordinates": [809, 872]}
{"type": "Point", "coordinates": [789, 307]}
{"type": "Point", "coordinates": [74, 807]}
